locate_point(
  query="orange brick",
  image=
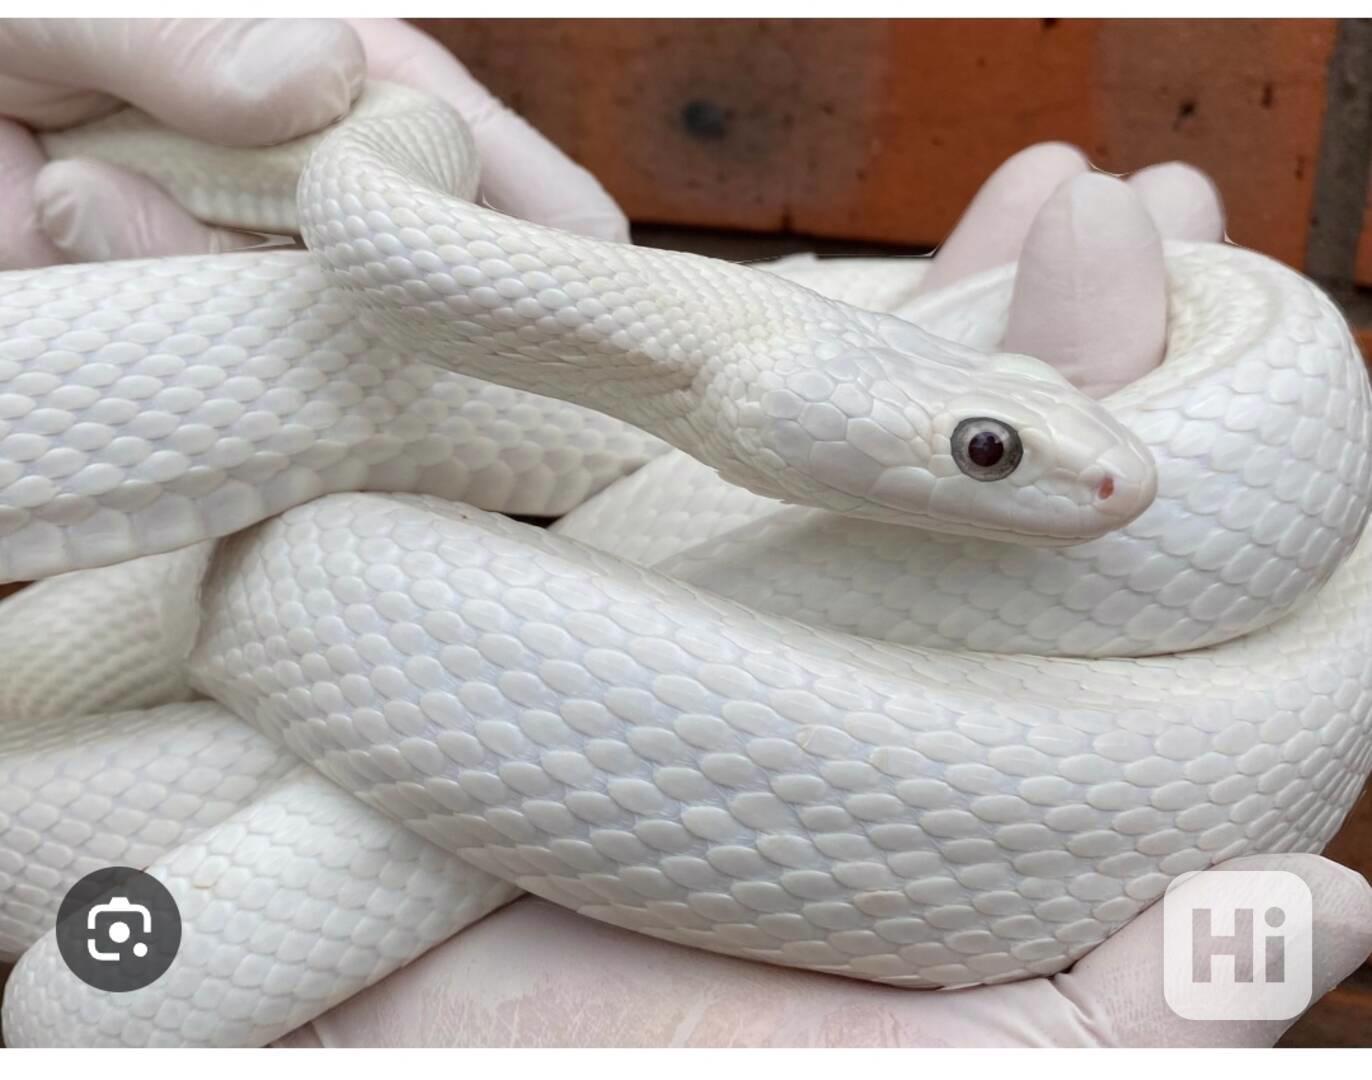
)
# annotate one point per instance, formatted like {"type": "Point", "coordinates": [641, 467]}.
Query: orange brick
{"type": "Point", "coordinates": [882, 130]}
{"type": "Point", "coordinates": [1363, 273]}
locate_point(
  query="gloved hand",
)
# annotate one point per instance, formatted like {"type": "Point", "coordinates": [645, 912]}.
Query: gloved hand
{"type": "Point", "coordinates": [533, 974]}
{"type": "Point", "coordinates": [1090, 297]}
{"type": "Point", "coordinates": [237, 82]}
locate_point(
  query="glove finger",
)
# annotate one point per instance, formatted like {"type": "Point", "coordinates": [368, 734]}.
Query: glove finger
{"type": "Point", "coordinates": [1120, 985]}
{"type": "Point", "coordinates": [522, 172]}
{"type": "Point", "coordinates": [526, 973]}
{"type": "Point", "coordinates": [1184, 202]}
{"type": "Point", "coordinates": [23, 244]}
{"type": "Point", "coordinates": [93, 212]}
{"type": "Point", "coordinates": [992, 229]}
{"type": "Point", "coordinates": [1091, 294]}
{"type": "Point", "coordinates": [44, 105]}
{"type": "Point", "coordinates": [238, 82]}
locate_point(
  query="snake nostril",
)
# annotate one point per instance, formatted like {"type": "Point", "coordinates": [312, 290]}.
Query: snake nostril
{"type": "Point", "coordinates": [1106, 488]}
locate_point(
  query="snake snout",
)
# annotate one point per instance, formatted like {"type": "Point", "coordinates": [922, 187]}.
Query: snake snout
{"type": "Point", "coordinates": [1123, 482]}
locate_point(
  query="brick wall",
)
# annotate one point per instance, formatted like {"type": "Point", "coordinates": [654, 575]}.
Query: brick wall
{"type": "Point", "coordinates": [880, 130]}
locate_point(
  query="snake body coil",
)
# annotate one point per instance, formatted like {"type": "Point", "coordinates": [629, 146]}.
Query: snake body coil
{"type": "Point", "coordinates": [957, 716]}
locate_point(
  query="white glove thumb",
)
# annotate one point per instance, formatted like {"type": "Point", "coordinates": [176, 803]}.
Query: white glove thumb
{"type": "Point", "coordinates": [94, 212]}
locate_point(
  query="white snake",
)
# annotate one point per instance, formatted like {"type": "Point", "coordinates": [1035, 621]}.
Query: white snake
{"type": "Point", "coordinates": [1013, 661]}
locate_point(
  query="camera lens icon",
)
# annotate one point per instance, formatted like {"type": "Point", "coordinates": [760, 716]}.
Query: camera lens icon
{"type": "Point", "coordinates": [118, 929]}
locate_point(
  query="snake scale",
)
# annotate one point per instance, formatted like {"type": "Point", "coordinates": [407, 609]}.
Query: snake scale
{"type": "Point", "coordinates": [862, 646]}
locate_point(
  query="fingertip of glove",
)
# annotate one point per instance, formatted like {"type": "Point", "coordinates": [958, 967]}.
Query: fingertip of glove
{"type": "Point", "coordinates": [277, 80]}
{"type": "Point", "coordinates": [1062, 157]}
{"type": "Point", "coordinates": [1089, 221]}
{"type": "Point", "coordinates": [1034, 172]}
{"type": "Point", "coordinates": [56, 200]}
{"type": "Point", "coordinates": [1185, 202]}
{"type": "Point", "coordinates": [608, 224]}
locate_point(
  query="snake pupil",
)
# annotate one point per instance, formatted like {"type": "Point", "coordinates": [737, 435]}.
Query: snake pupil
{"type": "Point", "coordinates": [985, 449]}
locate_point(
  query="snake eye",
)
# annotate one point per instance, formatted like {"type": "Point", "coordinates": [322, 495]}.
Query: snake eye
{"type": "Point", "coordinates": [986, 449]}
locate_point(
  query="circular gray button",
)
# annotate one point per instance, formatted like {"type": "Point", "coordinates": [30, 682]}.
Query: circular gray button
{"type": "Point", "coordinates": [118, 929]}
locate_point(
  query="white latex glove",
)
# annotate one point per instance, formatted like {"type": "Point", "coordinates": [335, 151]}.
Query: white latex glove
{"type": "Point", "coordinates": [1182, 201]}
{"type": "Point", "coordinates": [237, 82]}
{"type": "Point", "coordinates": [533, 974]}
{"type": "Point", "coordinates": [1090, 297]}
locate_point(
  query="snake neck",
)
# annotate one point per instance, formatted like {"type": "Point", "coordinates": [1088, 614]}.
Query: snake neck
{"type": "Point", "coordinates": [784, 392]}
{"type": "Point", "coordinates": [684, 347]}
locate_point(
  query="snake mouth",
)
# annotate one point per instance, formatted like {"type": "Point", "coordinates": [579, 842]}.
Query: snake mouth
{"type": "Point", "coordinates": [1105, 488]}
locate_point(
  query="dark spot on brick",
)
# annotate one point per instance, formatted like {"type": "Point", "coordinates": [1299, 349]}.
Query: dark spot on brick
{"type": "Point", "coordinates": [1300, 168]}
{"type": "Point", "coordinates": [1048, 24]}
{"type": "Point", "coordinates": [1268, 95]}
{"type": "Point", "coordinates": [705, 120]}
{"type": "Point", "coordinates": [1185, 110]}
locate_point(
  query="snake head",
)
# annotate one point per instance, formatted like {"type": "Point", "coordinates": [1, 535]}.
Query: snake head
{"type": "Point", "coordinates": [1023, 456]}
{"type": "Point", "coordinates": [899, 426]}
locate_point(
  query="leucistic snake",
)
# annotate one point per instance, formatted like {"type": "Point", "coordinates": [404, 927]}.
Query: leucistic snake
{"type": "Point", "coordinates": [909, 662]}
